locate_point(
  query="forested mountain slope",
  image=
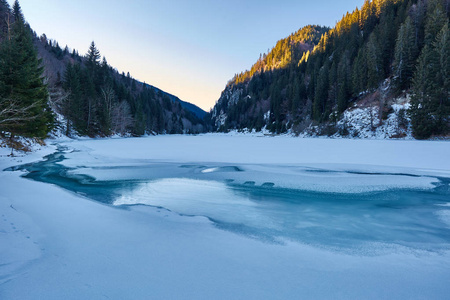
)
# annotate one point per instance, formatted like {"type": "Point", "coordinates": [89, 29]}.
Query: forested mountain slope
{"type": "Point", "coordinates": [385, 50]}
{"type": "Point", "coordinates": [92, 97]}
{"type": "Point", "coordinates": [200, 113]}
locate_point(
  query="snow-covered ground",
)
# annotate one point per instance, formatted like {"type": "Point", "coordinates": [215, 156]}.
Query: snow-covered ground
{"type": "Point", "coordinates": [366, 122]}
{"type": "Point", "coordinates": [55, 244]}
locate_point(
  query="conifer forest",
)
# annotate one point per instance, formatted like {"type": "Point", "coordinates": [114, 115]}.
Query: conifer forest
{"type": "Point", "coordinates": [385, 49]}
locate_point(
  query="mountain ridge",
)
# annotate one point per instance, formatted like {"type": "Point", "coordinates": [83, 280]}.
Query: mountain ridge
{"type": "Point", "coordinates": [383, 52]}
{"type": "Point", "coordinates": [91, 96]}
{"type": "Point", "coordinates": [54, 70]}
{"type": "Point", "coordinates": [168, 118]}
{"type": "Point", "coordinates": [199, 112]}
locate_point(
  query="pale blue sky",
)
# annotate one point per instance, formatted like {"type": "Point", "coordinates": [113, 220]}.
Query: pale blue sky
{"type": "Point", "coordinates": [187, 48]}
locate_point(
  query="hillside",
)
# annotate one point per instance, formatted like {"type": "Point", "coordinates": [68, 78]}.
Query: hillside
{"type": "Point", "coordinates": [92, 98]}
{"type": "Point", "coordinates": [374, 58]}
{"type": "Point", "coordinates": [197, 111]}
{"type": "Point", "coordinates": [151, 109]}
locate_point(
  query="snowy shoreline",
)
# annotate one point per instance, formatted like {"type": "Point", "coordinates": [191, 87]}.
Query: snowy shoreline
{"type": "Point", "coordinates": [55, 245]}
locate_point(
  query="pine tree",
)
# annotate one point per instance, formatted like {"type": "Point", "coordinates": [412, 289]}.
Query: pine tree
{"type": "Point", "coordinates": [259, 123]}
{"type": "Point", "coordinates": [4, 16]}
{"type": "Point", "coordinates": [321, 95]}
{"type": "Point", "coordinates": [367, 17]}
{"type": "Point", "coordinates": [359, 72]}
{"type": "Point", "coordinates": [344, 90]}
{"type": "Point", "coordinates": [442, 50]}
{"type": "Point", "coordinates": [375, 72]}
{"type": "Point", "coordinates": [295, 97]}
{"type": "Point", "coordinates": [275, 108]}
{"type": "Point", "coordinates": [430, 107]}
{"type": "Point", "coordinates": [436, 18]}
{"type": "Point", "coordinates": [67, 107]}
{"type": "Point", "coordinates": [387, 36]}
{"type": "Point", "coordinates": [405, 55]}
{"type": "Point", "coordinates": [93, 56]}
{"type": "Point", "coordinates": [421, 101]}
{"type": "Point", "coordinates": [417, 13]}
{"type": "Point", "coordinates": [22, 84]}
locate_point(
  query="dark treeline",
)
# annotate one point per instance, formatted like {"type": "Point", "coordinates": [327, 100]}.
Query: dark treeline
{"type": "Point", "coordinates": [400, 44]}
{"type": "Point", "coordinates": [94, 98]}
{"type": "Point", "coordinates": [101, 101]}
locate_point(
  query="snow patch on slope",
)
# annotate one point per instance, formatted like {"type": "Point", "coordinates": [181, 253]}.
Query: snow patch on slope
{"type": "Point", "coordinates": [367, 123]}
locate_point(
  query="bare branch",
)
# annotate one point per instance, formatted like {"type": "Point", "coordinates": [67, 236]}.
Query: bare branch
{"type": "Point", "coordinates": [12, 113]}
{"type": "Point", "coordinates": [121, 118]}
{"type": "Point", "coordinates": [109, 97]}
{"type": "Point", "coordinates": [57, 97]}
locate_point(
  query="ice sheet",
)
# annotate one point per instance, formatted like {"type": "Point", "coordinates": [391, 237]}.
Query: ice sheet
{"type": "Point", "coordinates": [301, 178]}
{"type": "Point", "coordinates": [345, 221]}
{"type": "Point", "coordinates": [430, 155]}
{"type": "Point", "coordinates": [339, 166]}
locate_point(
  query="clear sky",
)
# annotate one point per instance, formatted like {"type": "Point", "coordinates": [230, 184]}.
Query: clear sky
{"type": "Point", "coordinates": [187, 48]}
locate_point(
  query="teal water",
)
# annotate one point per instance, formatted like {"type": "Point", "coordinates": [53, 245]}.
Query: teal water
{"type": "Point", "coordinates": [417, 219]}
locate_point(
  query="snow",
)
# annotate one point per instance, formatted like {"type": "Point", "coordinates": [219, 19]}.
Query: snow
{"type": "Point", "coordinates": [57, 245]}
{"type": "Point", "coordinates": [365, 122]}
{"type": "Point", "coordinates": [254, 149]}
{"type": "Point", "coordinates": [360, 121]}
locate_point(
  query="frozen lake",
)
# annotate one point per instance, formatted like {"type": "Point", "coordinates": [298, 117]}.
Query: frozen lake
{"type": "Point", "coordinates": [346, 208]}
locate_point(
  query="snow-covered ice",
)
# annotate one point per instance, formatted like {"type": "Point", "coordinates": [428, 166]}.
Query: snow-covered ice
{"type": "Point", "coordinates": [56, 244]}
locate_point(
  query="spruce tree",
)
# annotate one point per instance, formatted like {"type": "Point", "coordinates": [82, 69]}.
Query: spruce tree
{"type": "Point", "coordinates": [430, 104]}
{"type": "Point", "coordinates": [442, 78]}
{"type": "Point", "coordinates": [421, 101]}
{"type": "Point", "coordinates": [73, 106]}
{"type": "Point", "coordinates": [93, 56]}
{"type": "Point", "coordinates": [295, 96]}
{"type": "Point", "coordinates": [436, 18]}
{"type": "Point", "coordinates": [359, 72]}
{"type": "Point", "coordinates": [405, 55]}
{"type": "Point", "coordinates": [22, 84]}
{"type": "Point", "coordinates": [375, 72]}
{"type": "Point", "coordinates": [321, 95]}
{"type": "Point", "coordinates": [344, 90]}
{"type": "Point", "coordinates": [4, 15]}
